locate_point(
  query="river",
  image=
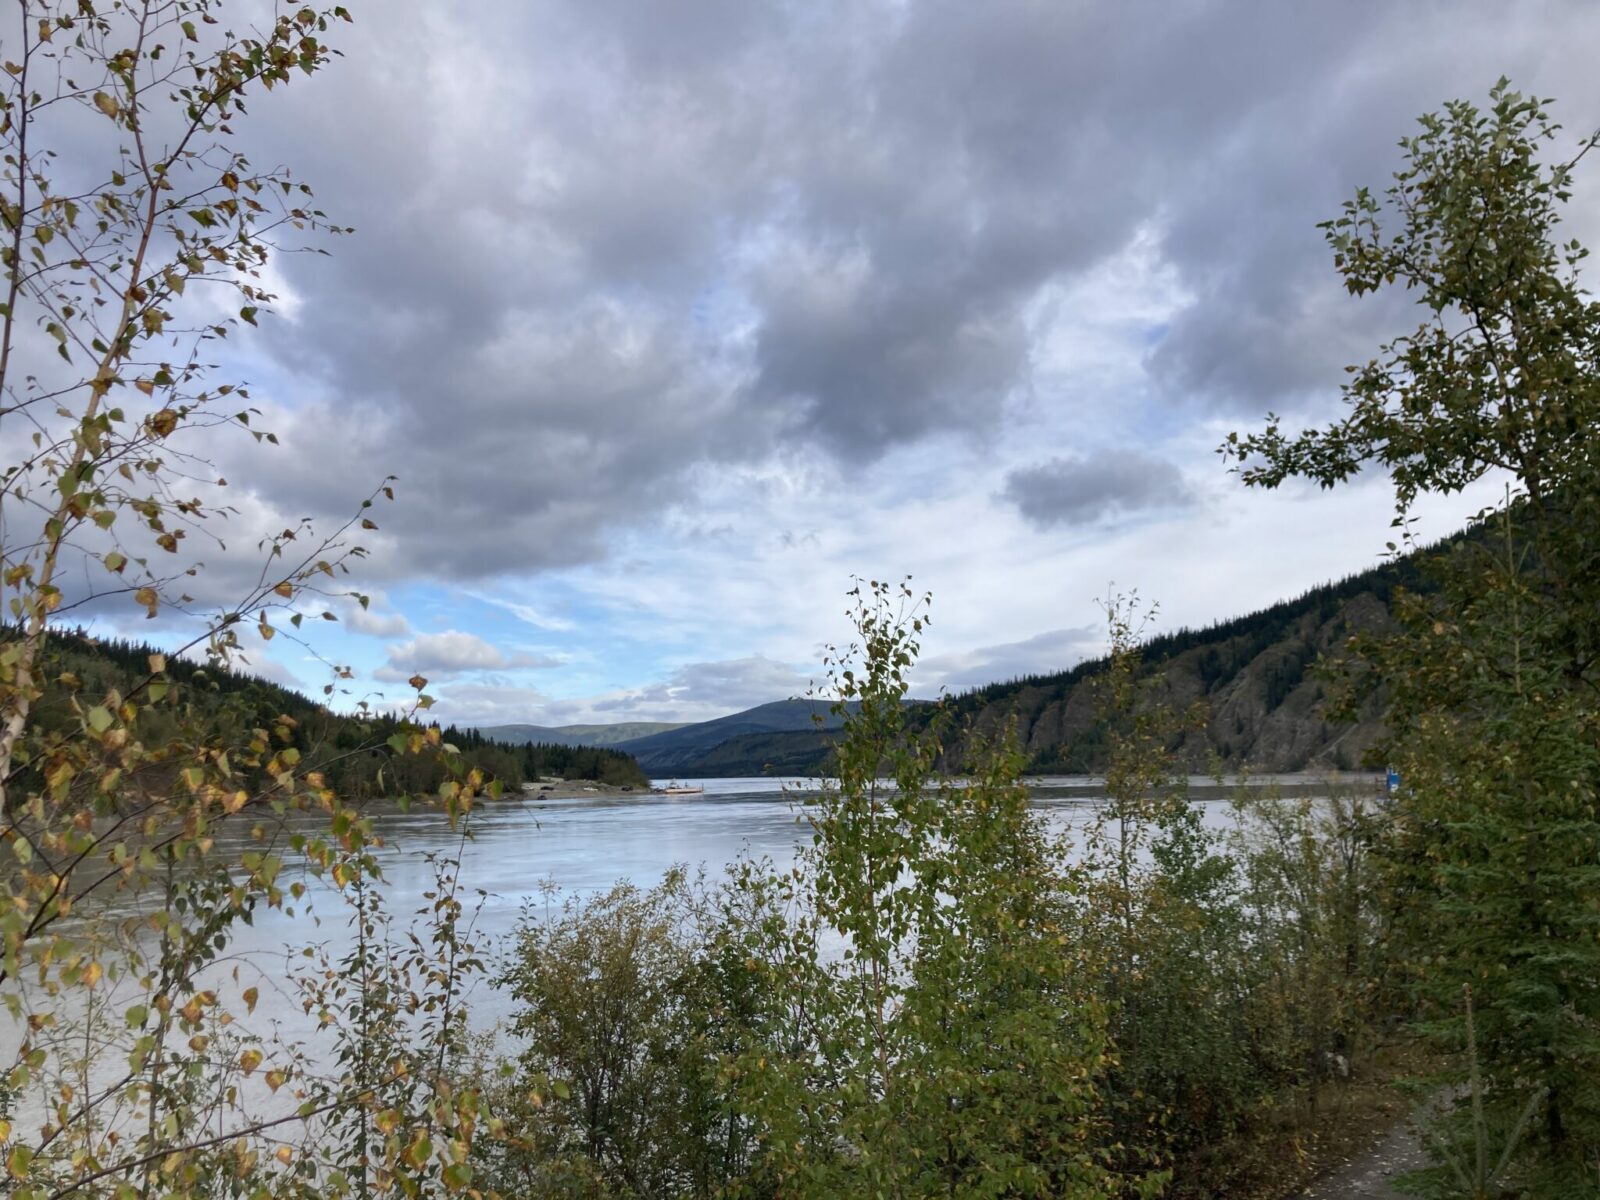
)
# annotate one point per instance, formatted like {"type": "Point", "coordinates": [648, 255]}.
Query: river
{"type": "Point", "coordinates": [530, 855]}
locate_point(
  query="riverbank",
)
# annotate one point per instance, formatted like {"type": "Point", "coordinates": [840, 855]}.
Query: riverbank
{"type": "Point", "coordinates": [575, 789]}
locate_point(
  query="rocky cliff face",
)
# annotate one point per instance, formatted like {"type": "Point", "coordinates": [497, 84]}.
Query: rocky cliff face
{"type": "Point", "coordinates": [1256, 723]}
{"type": "Point", "coordinates": [1257, 686]}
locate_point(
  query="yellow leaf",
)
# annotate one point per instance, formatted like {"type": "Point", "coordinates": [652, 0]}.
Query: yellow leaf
{"type": "Point", "coordinates": [250, 998]}
{"type": "Point", "coordinates": [284, 1155]}
{"type": "Point", "coordinates": [106, 104]}
{"type": "Point", "coordinates": [18, 1160]}
{"type": "Point", "coordinates": [285, 589]}
{"type": "Point", "coordinates": [249, 1061]}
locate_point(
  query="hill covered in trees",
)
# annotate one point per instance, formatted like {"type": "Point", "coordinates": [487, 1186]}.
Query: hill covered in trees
{"type": "Point", "coordinates": [354, 747]}
{"type": "Point", "coordinates": [576, 735]}
{"type": "Point", "coordinates": [1265, 705]}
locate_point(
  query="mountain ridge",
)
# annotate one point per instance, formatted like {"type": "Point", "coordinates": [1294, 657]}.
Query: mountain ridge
{"type": "Point", "coordinates": [577, 735]}
{"type": "Point", "coordinates": [689, 749]}
{"type": "Point", "coordinates": [1265, 705]}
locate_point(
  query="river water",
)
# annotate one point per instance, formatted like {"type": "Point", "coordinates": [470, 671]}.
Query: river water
{"type": "Point", "coordinates": [533, 854]}
{"type": "Point", "coordinates": [530, 855]}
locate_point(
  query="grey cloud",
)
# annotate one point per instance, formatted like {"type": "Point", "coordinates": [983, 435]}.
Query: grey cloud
{"type": "Point", "coordinates": [614, 244]}
{"type": "Point", "coordinates": [883, 361]}
{"type": "Point", "coordinates": [1084, 489]}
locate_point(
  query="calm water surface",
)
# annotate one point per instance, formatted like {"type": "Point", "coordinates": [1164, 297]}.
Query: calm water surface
{"type": "Point", "coordinates": [532, 854]}
{"type": "Point", "coordinates": [536, 853]}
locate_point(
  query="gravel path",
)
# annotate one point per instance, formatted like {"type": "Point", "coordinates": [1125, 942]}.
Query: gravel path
{"type": "Point", "coordinates": [1367, 1175]}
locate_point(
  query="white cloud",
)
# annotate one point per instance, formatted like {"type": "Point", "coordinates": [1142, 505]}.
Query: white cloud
{"type": "Point", "coordinates": [466, 703]}
{"type": "Point", "coordinates": [1042, 654]}
{"type": "Point", "coordinates": [711, 688]}
{"type": "Point", "coordinates": [376, 624]}
{"type": "Point", "coordinates": [691, 692]}
{"type": "Point", "coordinates": [526, 613]}
{"type": "Point", "coordinates": [453, 652]}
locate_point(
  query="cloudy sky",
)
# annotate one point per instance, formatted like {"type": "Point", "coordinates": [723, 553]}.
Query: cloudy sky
{"type": "Point", "coordinates": [671, 317]}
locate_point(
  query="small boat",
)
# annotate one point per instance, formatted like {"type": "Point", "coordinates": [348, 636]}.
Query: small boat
{"type": "Point", "coordinates": [680, 789]}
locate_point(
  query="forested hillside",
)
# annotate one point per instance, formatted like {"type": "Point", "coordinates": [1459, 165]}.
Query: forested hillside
{"type": "Point", "coordinates": [1254, 675]}
{"type": "Point", "coordinates": [1264, 704]}
{"type": "Point", "coordinates": [576, 735]}
{"type": "Point", "coordinates": [782, 737]}
{"type": "Point", "coordinates": [359, 761]}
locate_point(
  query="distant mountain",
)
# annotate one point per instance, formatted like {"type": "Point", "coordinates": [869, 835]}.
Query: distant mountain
{"type": "Point", "coordinates": [737, 744]}
{"type": "Point", "coordinates": [800, 754]}
{"type": "Point", "coordinates": [1254, 675]}
{"type": "Point", "coordinates": [575, 735]}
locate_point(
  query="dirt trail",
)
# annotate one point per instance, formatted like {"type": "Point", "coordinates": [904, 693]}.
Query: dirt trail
{"type": "Point", "coordinates": [1367, 1176]}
